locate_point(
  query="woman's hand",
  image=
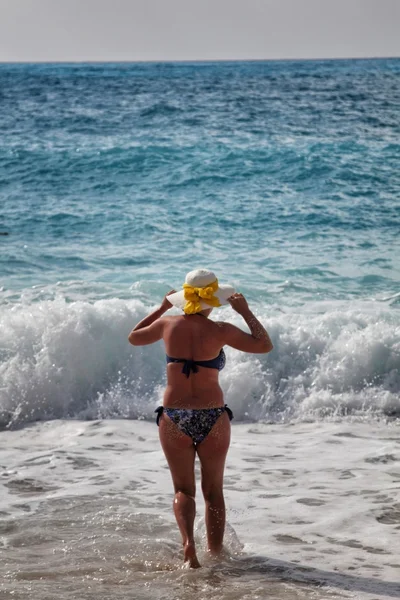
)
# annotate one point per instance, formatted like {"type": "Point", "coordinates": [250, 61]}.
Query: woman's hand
{"type": "Point", "coordinates": [166, 304]}
{"type": "Point", "coordinates": [238, 303]}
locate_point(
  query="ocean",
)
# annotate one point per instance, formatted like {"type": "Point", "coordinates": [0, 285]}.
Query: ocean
{"type": "Point", "coordinates": [116, 179]}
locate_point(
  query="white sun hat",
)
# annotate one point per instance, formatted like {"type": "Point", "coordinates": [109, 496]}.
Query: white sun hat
{"type": "Point", "coordinates": [201, 290]}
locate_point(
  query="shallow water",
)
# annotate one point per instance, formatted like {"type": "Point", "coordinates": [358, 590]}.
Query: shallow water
{"type": "Point", "coordinates": [86, 508]}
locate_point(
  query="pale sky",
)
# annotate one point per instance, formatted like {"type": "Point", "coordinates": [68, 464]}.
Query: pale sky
{"type": "Point", "coordinates": [114, 30]}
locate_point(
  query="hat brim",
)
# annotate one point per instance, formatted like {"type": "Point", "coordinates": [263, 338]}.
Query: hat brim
{"type": "Point", "coordinates": [223, 293]}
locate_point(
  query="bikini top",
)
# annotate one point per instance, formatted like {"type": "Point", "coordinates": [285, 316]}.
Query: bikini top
{"type": "Point", "coordinates": [191, 365]}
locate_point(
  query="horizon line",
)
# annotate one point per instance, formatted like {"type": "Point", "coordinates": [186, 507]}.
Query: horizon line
{"type": "Point", "coordinates": [195, 60]}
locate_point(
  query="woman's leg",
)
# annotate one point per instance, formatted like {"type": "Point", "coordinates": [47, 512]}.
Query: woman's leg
{"type": "Point", "coordinates": [212, 454]}
{"type": "Point", "coordinates": [180, 454]}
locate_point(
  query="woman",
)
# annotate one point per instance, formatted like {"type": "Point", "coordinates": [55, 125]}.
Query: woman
{"type": "Point", "coordinates": [193, 418]}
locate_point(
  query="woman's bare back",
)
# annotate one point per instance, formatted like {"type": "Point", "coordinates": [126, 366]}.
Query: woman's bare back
{"type": "Point", "coordinates": [195, 338]}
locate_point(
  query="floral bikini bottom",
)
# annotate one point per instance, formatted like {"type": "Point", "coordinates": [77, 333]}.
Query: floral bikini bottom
{"type": "Point", "coordinates": [194, 422]}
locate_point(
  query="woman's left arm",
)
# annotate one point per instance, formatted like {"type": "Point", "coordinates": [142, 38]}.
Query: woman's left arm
{"type": "Point", "coordinates": [150, 329]}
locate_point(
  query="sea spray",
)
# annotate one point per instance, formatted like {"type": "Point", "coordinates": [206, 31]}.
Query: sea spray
{"type": "Point", "coordinates": [68, 360]}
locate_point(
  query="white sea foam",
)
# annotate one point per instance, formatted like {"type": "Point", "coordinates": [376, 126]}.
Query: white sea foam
{"type": "Point", "coordinates": [312, 512]}
{"type": "Point", "coordinates": [61, 359]}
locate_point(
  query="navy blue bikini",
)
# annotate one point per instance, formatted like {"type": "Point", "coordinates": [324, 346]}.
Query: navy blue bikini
{"type": "Point", "coordinates": [191, 365]}
{"type": "Point", "coordinates": [196, 422]}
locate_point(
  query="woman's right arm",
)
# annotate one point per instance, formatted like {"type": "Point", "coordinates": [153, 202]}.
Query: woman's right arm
{"type": "Point", "coordinates": [258, 341]}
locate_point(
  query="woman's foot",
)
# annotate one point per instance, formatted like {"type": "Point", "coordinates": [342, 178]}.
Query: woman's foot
{"type": "Point", "coordinates": [217, 554]}
{"type": "Point", "coordinates": [190, 557]}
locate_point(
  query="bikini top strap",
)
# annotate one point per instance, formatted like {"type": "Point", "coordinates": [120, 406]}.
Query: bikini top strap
{"type": "Point", "coordinates": [188, 365]}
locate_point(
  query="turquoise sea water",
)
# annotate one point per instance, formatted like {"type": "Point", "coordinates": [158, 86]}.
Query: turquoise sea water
{"type": "Point", "coordinates": [117, 179]}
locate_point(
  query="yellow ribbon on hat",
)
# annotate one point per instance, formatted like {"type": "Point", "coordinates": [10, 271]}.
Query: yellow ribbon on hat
{"type": "Point", "coordinates": [193, 296]}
